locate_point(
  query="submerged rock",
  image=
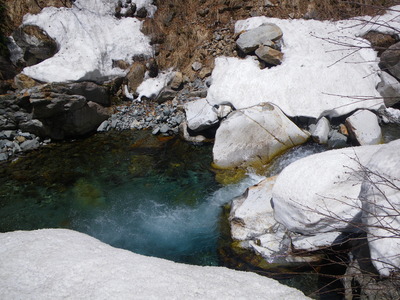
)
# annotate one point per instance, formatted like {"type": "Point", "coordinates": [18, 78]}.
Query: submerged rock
{"type": "Point", "coordinates": [254, 136]}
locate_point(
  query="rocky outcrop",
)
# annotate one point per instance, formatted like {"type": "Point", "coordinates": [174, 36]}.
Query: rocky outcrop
{"type": "Point", "coordinates": [254, 136]}
{"type": "Point", "coordinates": [364, 128]}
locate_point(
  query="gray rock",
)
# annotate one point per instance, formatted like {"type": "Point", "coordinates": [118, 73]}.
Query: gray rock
{"type": "Point", "coordinates": [30, 145]}
{"type": "Point", "coordinates": [36, 127]}
{"type": "Point", "coordinates": [337, 140]}
{"type": "Point", "coordinates": [196, 66]}
{"type": "Point", "coordinates": [141, 13]}
{"type": "Point", "coordinates": [104, 126]}
{"type": "Point", "coordinates": [3, 156]}
{"type": "Point", "coordinates": [269, 55]}
{"type": "Point", "coordinates": [36, 45]}
{"type": "Point", "coordinates": [166, 94]}
{"type": "Point", "coordinates": [156, 130]}
{"type": "Point", "coordinates": [321, 131]}
{"type": "Point", "coordinates": [389, 88]}
{"type": "Point", "coordinates": [390, 60]}
{"type": "Point", "coordinates": [177, 81]}
{"type": "Point", "coordinates": [90, 90]}
{"type": "Point", "coordinates": [53, 104]}
{"type": "Point", "coordinates": [200, 115]}
{"type": "Point", "coordinates": [252, 39]}
{"type": "Point", "coordinates": [164, 128]}
{"type": "Point", "coordinates": [135, 76]}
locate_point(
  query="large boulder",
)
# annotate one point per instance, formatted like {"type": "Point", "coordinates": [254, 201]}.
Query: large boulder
{"type": "Point", "coordinates": [380, 195]}
{"type": "Point", "coordinates": [390, 60]}
{"type": "Point", "coordinates": [135, 75]}
{"type": "Point", "coordinates": [389, 88]}
{"type": "Point", "coordinates": [320, 132]}
{"type": "Point", "coordinates": [59, 263]}
{"type": "Point", "coordinates": [364, 128]}
{"type": "Point", "coordinates": [250, 40]}
{"type": "Point", "coordinates": [254, 136]}
{"type": "Point", "coordinates": [319, 193]}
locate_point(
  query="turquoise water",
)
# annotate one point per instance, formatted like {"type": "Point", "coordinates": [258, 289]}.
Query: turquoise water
{"type": "Point", "coordinates": [154, 196]}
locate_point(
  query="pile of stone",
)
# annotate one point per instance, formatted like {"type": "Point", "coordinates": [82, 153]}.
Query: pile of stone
{"type": "Point", "coordinates": [264, 41]}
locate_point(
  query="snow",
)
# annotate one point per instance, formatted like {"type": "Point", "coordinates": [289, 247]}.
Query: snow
{"type": "Point", "coordinates": [380, 193]}
{"type": "Point", "coordinates": [323, 193]}
{"type": "Point", "coordinates": [89, 39]}
{"type": "Point", "coordinates": [151, 87]}
{"type": "Point", "coordinates": [59, 263]}
{"type": "Point", "coordinates": [326, 70]}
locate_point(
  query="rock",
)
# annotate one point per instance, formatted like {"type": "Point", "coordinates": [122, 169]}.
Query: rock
{"type": "Point", "coordinates": [35, 44]}
{"type": "Point", "coordinates": [3, 156]}
{"type": "Point", "coordinates": [177, 81]}
{"type": "Point", "coordinates": [321, 131]}
{"type": "Point", "coordinates": [390, 60]}
{"type": "Point", "coordinates": [22, 81]}
{"type": "Point", "coordinates": [255, 135]}
{"type": "Point", "coordinates": [135, 76]}
{"type": "Point", "coordinates": [379, 41]}
{"type": "Point", "coordinates": [252, 214]}
{"type": "Point", "coordinates": [319, 193]}
{"type": "Point", "coordinates": [252, 39]}
{"type": "Point", "coordinates": [50, 105]}
{"type": "Point", "coordinates": [187, 137]}
{"type": "Point", "coordinates": [380, 195]}
{"type": "Point", "coordinates": [152, 67]}
{"type": "Point", "coordinates": [389, 88]}
{"type": "Point", "coordinates": [104, 126]}
{"type": "Point", "coordinates": [269, 55]}
{"type": "Point", "coordinates": [90, 90]}
{"type": "Point", "coordinates": [196, 66]}
{"type": "Point", "coordinates": [205, 72]}
{"type": "Point", "coordinates": [166, 94]}
{"type": "Point", "coordinates": [311, 243]}
{"type": "Point", "coordinates": [336, 140]}
{"type": "Point", "coordinates": [364, 128]}
{"type": "Point", "coordinates": [223, 111]}
{"type": "Point", "coordinates": [7, 69]}
{"type": "Point", "coordinates": [200, 115]}
{"type": "Point", "coordinates": [36, 127]}
{"type": "Point", "coordinates": [84, 120]}
{"type": "Point", "coordinates": [164, 128]}
{"type": "Point", "coordinates": [30, 145]}
{"type": "Point", "coordinates": [142, 12]}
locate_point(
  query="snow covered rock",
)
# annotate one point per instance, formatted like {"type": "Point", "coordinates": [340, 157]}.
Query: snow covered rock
{"type": "Point", "coordinates": [58, 263]}
{"type": "Point", "coordinates": [364, 128]}
{"type": "Point", "coordinates": [380, 195]}
{"type": "Point", "coordinates": [252, 214]}
{"type": "Point", "coordinates": [321, 131]}
{"type": "Point", "coordinates": [200, 115]}
{"type": "Point", "coordinates": [89, 39]}
{"type": "Point", "coordinates": [319, 193]}
{"type": "Point", "coordinates": [390, 60]}
{"type": "Point", "coordinates": [250, 40]}
{"type": "Point", "coordinates": [254, 135]}
{"type": "Point", "coordinates": [389, 88]}
{"type": "Point", "coordinates": [310, 80]}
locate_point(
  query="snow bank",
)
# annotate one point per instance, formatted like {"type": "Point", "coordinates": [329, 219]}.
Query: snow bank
{"type": "Point", "coordinates": [89, 39]}
{"type": "Point", "coordinates": [327, 69]}
{"type": "Point", "coordinates": [58, 263]}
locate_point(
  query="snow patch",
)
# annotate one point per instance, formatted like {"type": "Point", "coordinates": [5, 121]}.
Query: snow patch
{"type": "Point", "coordinates": [89, 39]}
{"type": "Point", "coordinates": [151, 87]}
{"type": "Point", "coordinates": [59, 263]}
{"type": "Point", "coordinates": [327, 69]}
